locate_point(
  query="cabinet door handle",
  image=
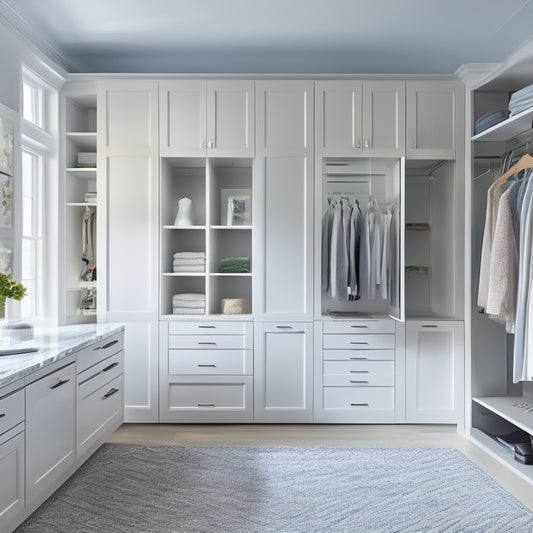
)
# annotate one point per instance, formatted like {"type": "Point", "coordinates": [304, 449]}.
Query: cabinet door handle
{"type": "Point", "coordinates": [358, 381]}
{"type": "Point", "coordinates": [112, 365]}
{"type": "Point", "coordinates": [209, 343]}
{"type": "Point", "coordinates": [206, 405]}
{"type": "Point", "coordinates": [359, 372]}
{"type": "Point", "coordinates": [284, 327]}
{"type": "Point", "coordinates": [207, 327]}
{"type": "Point", "coordinates": [207, 366]}
{"type": "Point", "coordinates": [2, 415]}
{"type": "Point", "coordinates": [359, 327]}
{"type": "Point", "coordinates": [359, 358]}
{"type": "Point", "coordinates": [59, 383]}
{"type": "Point", "coordinates": [109, 344]}
{"type": "Point", "coordinates": [359, 405]}
{"type": "Point", "coordinates": [430, 326]}
{"type": "Point", "coordinates": [354, 342]}
{"type": "Point", "coordinates": [110, 392]}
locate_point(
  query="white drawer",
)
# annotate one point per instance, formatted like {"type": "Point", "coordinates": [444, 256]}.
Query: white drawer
{"type": "Point", "coordinates": [360, 326]}
{"type": "Point", "coordinates": [359, 342]}
{"type": "Point", "coordinates": [210, 362]}
{"type": "Point", "coordinates": [11, 410]}
{"type": "Point", "coordinates": [98, 375]}
{"type": "Point", "coordinates": [207, 396]}
{"type": "Point", "coordinates": [359, 374]}
{"type": "Point", "coordinates": [359, 398]}
{"type": "Point", "coordinates": [209, 328]}
{"type": "Point", "coordinates": [210, 342]}
{"type": "Point", "coordinates": [98, 412]}
{"type": "Point", "coordinates": [359, 355]}
{"type": "Point", "coordinates": [98, 351]}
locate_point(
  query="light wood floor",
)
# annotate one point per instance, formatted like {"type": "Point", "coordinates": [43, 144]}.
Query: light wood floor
{"type": "Point", "coordinates": [324, 435]}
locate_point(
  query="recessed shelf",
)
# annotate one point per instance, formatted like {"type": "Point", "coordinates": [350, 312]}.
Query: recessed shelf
{"type": "Point", "coordinates": [231, 227]}
{"type": "Point", "coordinates": [231, 274]}
{"type": "Point", "coordinates": [81, 204]}
{"type": "Point", "coordinates": [515, 409]}
{"type": "Point", "coordinates": [509, 128]}
{"type": "Point", "coordinates": [86, 173]}
{"type": "Point", "coordinates": [85, 141]}
{"type": "Point", "coordinates": [183, 227]}
{"type": "Point", "coordinates": [183, 274]}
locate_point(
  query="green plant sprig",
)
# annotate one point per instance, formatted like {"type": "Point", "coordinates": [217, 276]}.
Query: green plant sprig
{"type": "Point", "coordinates": [11, 289]}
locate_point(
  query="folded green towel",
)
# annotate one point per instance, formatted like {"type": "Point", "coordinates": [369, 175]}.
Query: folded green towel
{"type": "Point", "coordinates": [234, 265]}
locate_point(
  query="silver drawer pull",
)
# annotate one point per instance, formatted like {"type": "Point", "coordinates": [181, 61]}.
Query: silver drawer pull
{"type": "Point", "coordinates": [109, 344]}
{"type": "Point", "coordinates": [206, 405]}
{"type": "Point", "coordinates": [430, 326]}
{"type": "Point", "coordinates": [354, 342]}
{"type": "Point", "coordinates": [60, 383]}
{"type": "Point", "coordinates": [359, 371]}
{"type": "Point", "coordinates": [359, 405]}
{"type": "Point", "coordinates": [207, 327]}
{"type": "Point", "coordinates": [209, 343]}
{"type": "Point", "coordinates": [2, 415]}
{"type": "Point", "coordinates": [284, 327]}
{"type": "Point", "coordinates": [359, 327]}
{"type": "Point", "coordinates": [359, 358]}
{"type": "Point", "coordinates": [207, 366]}
{"type": "Point", "coordinates": [110, 393]}
{"type": "Point", "coordinates": [112, 365]}
{"type": "Point", "coordinates": [358, 381]}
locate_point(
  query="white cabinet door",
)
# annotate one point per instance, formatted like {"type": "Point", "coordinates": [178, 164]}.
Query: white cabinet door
{"type": "Point", "coordinates": [360, 118]}
{"type": "Point", "coordinates": [213, 119]}
{"type": "Point", "coordinates": [230, 118]}
{"type": "Point", "coordinates": [433, 110]}
{"type": "Point", "coordinates": [183, 118]}
{"type": "Point", "coordinates": [338, 115]}
{"type": "Point", "coordinates": [283, 204]}
{"type": "Point", "coordinates": [434, 353]}
{"type": "Point", "coordinates": [128, 233]}
{"type": "Point", "coordinates": [11, 476]}
{"type": "Point", "coordinates": [50, 429]}
{"type": "Point", "coordinates": [283, 372]}
{"type": "Point", "coordinates": [384, 118]}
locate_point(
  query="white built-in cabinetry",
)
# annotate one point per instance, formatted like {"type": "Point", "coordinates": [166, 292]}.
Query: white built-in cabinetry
{"type": "Point", "coordinates": [207, 118]}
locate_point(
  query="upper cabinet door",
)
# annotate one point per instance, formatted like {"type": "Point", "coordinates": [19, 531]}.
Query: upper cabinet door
{"type": "Point", "coordinates": [339, 118]}
{"type": "Point", "coordinates": [230, 118]}
{"type": "Point", "coordinates": [182, 118]}
{"type": "Point", "coordinates": [433, 111]}
{"type": "Point", "coordinates": [384, 118]}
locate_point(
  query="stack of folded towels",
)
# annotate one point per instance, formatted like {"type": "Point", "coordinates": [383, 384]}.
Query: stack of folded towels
{"type": "Point", "coordinates": [188, 303]}
{"type": "Point", "coordinates": [521, 100]}
{"type": "Point", "coordinates": [233, 265]}
{"type": "Point", "coordinates": [189, 262]}
{"type": "Point", "coordinates": [489, 120]}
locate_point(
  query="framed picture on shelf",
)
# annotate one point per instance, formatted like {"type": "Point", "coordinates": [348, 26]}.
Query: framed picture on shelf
{"type": "Point", "coordinates": [7, 136]}
{"type": "Point", "coordinates": [236, 207]}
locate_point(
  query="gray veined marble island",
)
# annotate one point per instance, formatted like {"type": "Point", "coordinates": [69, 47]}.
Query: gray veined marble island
{"type": "Point", "coordinates": [57, 406]}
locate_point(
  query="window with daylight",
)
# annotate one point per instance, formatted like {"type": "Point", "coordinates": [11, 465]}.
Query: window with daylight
{"type": "Point", "coordinates": [32, 101]}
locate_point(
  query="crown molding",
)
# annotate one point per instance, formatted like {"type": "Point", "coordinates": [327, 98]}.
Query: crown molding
{"type": "Point", "coordinates": [473, 74]}
{"type": "Point", "coordinates": [20, 25]}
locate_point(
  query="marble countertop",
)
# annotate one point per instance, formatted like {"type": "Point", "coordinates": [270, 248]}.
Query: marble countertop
{"type": "Point", "coordinates": [52, 345]}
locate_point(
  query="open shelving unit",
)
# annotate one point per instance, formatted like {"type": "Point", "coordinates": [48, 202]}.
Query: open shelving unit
{"type": "Point", "coordinates": [207, 182]}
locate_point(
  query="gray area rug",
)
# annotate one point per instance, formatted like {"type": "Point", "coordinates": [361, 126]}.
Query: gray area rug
{"type": "Point", "coordinates": [133, 489]}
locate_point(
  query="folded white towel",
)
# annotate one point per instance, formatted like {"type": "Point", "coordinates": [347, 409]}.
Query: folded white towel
{"type": "Point", "coordinates": [188, 311]}
{"type": "Point", "coordinates": [189, 255]}
{"type": "Point", "coordinates": [188, 262]}
{"type": "Point", "coordinates": [189, 305]}
{"type": "Point", "coordinates": [189, 268]}
{"type": "Point", "coordinates": [189, 297]}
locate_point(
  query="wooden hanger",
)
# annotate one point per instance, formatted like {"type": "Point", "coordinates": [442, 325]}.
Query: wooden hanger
{"type": "Point", "coordinates": [526, 161]}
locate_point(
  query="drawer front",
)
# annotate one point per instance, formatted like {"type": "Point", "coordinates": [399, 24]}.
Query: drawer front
{"type": "Point", "coordinates": [359, 374]}
{"type": "Point", "coordinates": [359, 342]}
{"type": "Point", "coordinates": [12, 480]}
{"type": "Point", "coordinates": [97, 412]}
{"type": "Point", "coordinates": [12, 409]}
{"type": "Point", "coordinates": [98, 375]}
{"type": "Point", "coordinates": [207, 396]}
{"type": "Point", "coordinates": [359, 398]}
{"type": "Point", "coordinates": [209, 328]}
{"type": "Point", "coordinates": [98, 351]}
{"type": "Point", "coordinates": [360, 326]}
{"type": "Point", "coordinates": [210, 362]}
{"type": "Point", "coordinates": [359, 355]}
{"type": "Point", "coordinates": [209, 342]}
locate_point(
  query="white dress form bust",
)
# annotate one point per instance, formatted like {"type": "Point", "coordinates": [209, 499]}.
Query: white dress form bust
{"type": "Point", "coordinates": [184, 216]}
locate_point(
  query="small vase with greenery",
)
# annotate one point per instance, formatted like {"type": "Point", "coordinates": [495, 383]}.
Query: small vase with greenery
{"type": "Point", "coordinates": [9, 289]}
